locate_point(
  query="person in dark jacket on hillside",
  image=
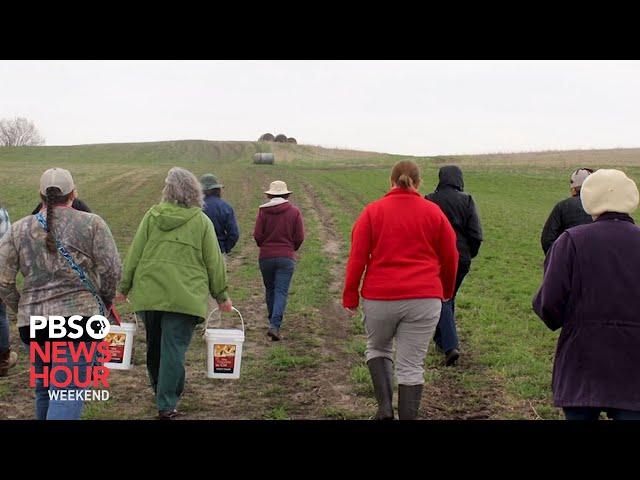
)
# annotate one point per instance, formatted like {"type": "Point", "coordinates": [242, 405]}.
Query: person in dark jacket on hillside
{"type": "Point", "coordinates": [568, 213]}
{"type": "Point", "coordinates": [590, 289]}
{"type": "Point", "coordinates": [279, 232]}
{"type": "Point", "coordinates": [461, 211]}
{"type": "Point", "coordinates": [220, 213]}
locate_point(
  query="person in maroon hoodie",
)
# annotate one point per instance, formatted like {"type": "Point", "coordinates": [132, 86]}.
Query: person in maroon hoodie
{"type": "Point", "coordinates": [279, 232]}
{"type": "Point", "coordinates": [408, 248]}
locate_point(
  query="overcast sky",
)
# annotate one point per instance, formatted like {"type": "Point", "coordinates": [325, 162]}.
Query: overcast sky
{"type": "Point", "coordinates": [409, 107]}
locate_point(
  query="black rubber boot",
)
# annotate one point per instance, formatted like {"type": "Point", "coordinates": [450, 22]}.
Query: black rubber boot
{"type": "Point", "coordinates": [451, 357]}
{"type": "Point", "coordinates": [381, 370]}
{"type": "Point", "coordinates": [409, 401]}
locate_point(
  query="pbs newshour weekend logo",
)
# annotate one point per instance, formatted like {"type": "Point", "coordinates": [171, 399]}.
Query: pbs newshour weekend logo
{"type": "Point", "coordinates": [66, 361]}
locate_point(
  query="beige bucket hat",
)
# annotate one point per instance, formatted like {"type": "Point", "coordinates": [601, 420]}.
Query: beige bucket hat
{"type": "Point", "coordinates": [57, 177]}
{"type": "Point", "coordinates": [278, 188]}
{"type": "Point", "coordinates": [609, 191]}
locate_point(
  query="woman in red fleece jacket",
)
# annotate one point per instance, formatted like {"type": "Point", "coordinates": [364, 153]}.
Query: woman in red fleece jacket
{"type": "Point", "coordinates": [408, 248]}
{"type": "Point", "coordinates": [279, 232]}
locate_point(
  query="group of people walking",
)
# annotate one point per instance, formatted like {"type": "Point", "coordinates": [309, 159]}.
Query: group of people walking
{"type": "Point", "coordinates": [409, 256]}
{"type": "Point", "coordinates": [176, 262]}
{"type": "Point", "coordinates": [590, 291]}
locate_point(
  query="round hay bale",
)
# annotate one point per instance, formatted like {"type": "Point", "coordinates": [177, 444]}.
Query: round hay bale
{"type": "Point", "coordinates": [292, 140]}
{"type": "Point", "coordinates": [281, 138]}
{"type": "Point", "coordinates": [265, 158]}
{"type": "Point", "coordinates": [267, 137]}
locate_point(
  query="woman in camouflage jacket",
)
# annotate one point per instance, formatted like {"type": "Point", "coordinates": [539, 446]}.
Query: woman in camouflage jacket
{"type": "Point", "coordinates": [51, 287]}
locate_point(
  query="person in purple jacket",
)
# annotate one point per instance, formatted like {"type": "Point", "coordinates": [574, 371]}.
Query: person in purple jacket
{"type": "Point", "coordinates": [591, 290]}
{"type": "Point", "coordinates": [279, 232]}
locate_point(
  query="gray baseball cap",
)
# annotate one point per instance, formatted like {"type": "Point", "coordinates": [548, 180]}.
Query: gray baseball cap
{"type": "Point", "coordinates": [209, 181]}
{"type": "Point", "coordinates": [57, 177]}
{"type": "Point", "coordinates": [579, 176]}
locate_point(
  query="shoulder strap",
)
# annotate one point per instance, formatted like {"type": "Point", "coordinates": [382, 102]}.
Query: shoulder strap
{"type": "Point", "coordinates": [74, 266]}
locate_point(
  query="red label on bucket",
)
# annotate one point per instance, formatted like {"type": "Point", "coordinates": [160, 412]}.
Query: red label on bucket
{"type": "Point", "coordinates": [224, 357]}
{"type": "Point", "coordinates": [116, 343]}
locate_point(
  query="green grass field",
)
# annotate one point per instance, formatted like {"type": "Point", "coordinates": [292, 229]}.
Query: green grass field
{"type": "Point", "coordinates": [318, 371]}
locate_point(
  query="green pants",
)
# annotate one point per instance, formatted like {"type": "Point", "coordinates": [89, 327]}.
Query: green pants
{"type": "Point", "coordinates": [168, 338]}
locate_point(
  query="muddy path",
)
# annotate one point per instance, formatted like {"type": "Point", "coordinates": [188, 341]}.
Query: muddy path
{"type": "Point", "coordinates": [335, 394]}
{"type": "Point", "coordinates": [466, 391]}
{"type": "Point", "coordinates": [243, 398]}
{"type": "Point", "coordinates": [306, 375]}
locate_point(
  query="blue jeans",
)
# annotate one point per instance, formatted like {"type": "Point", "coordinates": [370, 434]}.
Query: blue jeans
{"type": "Point", "coordinates": [53, 409]}
{"type": "Point", "coordinates": [593, 413]}
{"type": "Point", "coordinates": [276, 276]}
{"type": "Point", "coordinates": [4, 329]}
{"type": "Point", "coordinates": [446, 336]}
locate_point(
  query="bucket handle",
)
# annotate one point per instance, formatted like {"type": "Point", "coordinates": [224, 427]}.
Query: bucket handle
{"type": "Point", "coordinates": [206, 325]}
{"type": "Point", "coordinates": [135, 316]}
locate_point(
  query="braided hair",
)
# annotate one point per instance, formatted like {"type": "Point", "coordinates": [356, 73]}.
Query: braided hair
{"type": "Point", "coordinates": [53, 196]}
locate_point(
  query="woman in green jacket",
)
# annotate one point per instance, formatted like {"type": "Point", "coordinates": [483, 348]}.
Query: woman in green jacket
{"type": "Point", "coordinates": [172, 267]}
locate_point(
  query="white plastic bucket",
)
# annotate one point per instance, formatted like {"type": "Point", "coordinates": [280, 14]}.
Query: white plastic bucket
{"type": "Point", "coordinates": [224, 350]}
{"type": "Point", "coordinates": [120, 339]}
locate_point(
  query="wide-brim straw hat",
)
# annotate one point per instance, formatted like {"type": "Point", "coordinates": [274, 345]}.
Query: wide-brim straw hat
{"type": "Point", "coordinates": [278, 188]}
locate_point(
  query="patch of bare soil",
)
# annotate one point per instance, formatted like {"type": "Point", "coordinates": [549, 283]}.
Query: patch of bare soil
{"type": "Point", "coordinates": [466, 391]}
{"type": "Point", "coordinates": [331, 379]}
{"type": "Point", "coordinates": [17, 398]}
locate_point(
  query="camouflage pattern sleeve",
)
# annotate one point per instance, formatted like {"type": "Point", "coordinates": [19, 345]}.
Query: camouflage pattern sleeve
{"type": "Point", "coordinates": [107, 260]}
{"type": "Point", "coordinates": [9, 264]}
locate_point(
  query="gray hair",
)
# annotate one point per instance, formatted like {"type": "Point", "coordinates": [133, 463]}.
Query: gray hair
{"type": "Point", "coordinates": [183, 188]}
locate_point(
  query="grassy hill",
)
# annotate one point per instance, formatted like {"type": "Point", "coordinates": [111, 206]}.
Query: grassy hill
{"type": "Point", "coordinates": [318, 370]}
{"type": "Point", "coordinates": [197, 151]}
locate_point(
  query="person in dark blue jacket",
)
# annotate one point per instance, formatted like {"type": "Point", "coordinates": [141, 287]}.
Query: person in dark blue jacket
{"type": "Point", "coordinates": [220, 213]}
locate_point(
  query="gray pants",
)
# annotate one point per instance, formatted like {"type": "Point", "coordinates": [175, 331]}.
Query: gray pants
{"type": "Point", "coordinates": [412, 323]}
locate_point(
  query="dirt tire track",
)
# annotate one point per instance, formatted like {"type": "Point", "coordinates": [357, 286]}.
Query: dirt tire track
{"type": "Point", "coordinates": [332, 384]}
{"type": "Point", "coordinates": [239, 399]}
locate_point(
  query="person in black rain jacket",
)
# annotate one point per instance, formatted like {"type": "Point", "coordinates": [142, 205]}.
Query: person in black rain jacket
{"type": "Point", "coordinates": [462, 213]}
{"type": "Point", "coordinates": [568, 213]}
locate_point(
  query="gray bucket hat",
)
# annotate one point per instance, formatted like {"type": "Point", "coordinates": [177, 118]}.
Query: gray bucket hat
{"type": "Point", "coordinates": [209, 181]}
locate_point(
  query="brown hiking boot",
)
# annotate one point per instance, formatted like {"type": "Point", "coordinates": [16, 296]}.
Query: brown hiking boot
{"type": "Point", "coordinates": [274, 333]}
{"type": "Point", "coordinates": [8, 359]}
{"type": "Point", "coordinates": [169, 414]}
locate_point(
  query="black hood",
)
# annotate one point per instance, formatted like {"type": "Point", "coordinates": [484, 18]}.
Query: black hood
{"type": "Point", "coordinates": [451, 176]}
